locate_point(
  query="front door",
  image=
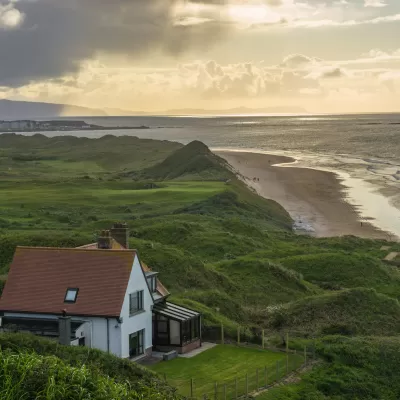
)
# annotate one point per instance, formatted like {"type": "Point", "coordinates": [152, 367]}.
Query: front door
{"type": "Point", "coordinates": [136, 344]}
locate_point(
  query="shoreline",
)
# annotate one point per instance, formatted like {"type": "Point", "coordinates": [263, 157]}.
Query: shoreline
{"type": "Point", "coordinates": [317, 200]}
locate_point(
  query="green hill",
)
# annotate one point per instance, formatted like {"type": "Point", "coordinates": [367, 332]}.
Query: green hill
{"type": "Point", "coordinates": [219, 248]}
{"type": "Point", "coordinates": [195, 161]}
{"type": "Point", "coordinates": [352, 312]}
{"type": "Point", "coordinates": [40, 157]}
{"type": "Point", "coordinates": [339, 270]}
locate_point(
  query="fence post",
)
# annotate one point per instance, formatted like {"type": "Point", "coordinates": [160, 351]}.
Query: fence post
{"type": "Point", "coordinates": [287, 352]}
{"type": "Point", "coordinates": [263, 339]}
{"type": "Point", "coordinates": [265, 376]}
{"type": "Point", "coordinates": [191, 387]}
{"type": "Point", "coordinates": [247, 385]}
{"type": "Point", "coordinates": [222, 334]}
{"type": "Point", "coordinates": [236, 388]}
{"type": "Point", "coordinates": [313, 353]}
{"type": "Point", "coordinates": [277, 371]}
{"type": "Point", "coordinates": [225, 391]}
{"type": "Point", "coordinates": [305, 355]}
{"type": "Point", "coordinates": [257, 380]}
{"type": "Point", "coordinates": [238, 335]}
{"type": "Point", "coordinates": [216, 391]}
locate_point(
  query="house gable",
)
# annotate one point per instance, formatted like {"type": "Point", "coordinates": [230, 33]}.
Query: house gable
{"type": "Point", "coordinates": [141, 320]}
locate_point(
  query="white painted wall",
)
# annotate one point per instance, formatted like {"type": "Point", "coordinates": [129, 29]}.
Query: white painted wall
{"type": "Point", "coordinates": [137, 322]}
{"type": "Point", "coordinates": [94, 330]}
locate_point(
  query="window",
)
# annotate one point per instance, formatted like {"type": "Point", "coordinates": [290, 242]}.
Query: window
{"type": "Point", "coordinates": [135, 302]}
{"type": "Point", "coordinates": [136, 344]}
{"type": "Point", "coordinates": [71, 295]}
{"type": "Point", "coordinates": [186, 334]}
{"type": "Point", "coordinates": [153, 284]}
{"type": "Point", "coordinates": [195, 326]}
{"type": "Point", "coordinates": [152, 281]}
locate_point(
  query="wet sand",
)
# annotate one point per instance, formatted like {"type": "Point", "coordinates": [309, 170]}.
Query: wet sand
{"type": "Point", "coordinates": [314, 197]}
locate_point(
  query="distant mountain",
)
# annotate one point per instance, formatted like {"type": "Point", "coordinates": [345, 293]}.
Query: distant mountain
{"type": "Point", "coordinates": [239, 110]}
{"type": "Point", "coordinates": [10, 110]}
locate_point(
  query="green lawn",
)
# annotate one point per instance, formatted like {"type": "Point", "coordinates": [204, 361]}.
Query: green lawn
{"type": "Point", "coordinates": [47, 204]}
{"type": "Point", "coordinates": [222, 365]}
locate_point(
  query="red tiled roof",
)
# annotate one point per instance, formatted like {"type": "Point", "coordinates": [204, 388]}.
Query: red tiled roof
{"type": "Point", "coordinates": [39, 278]}
{"type": "Point", "coordinates": [161, 289]}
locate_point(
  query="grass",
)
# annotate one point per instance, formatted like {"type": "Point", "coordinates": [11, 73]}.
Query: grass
{"type": "Point", "coordinates": [219, 248]}
{"type": "Point", "coordinates": [221, 365]}
{"type": "Point", "coordinates": [353, 368]}
{"type": "Point", "coordinates": [36, 368]}
{"type": "Point", "coordinates": [351, 312]}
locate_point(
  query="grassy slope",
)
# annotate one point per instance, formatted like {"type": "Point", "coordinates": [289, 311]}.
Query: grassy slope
{"type": "Point", "coordinates": [25, 157]}
{"type": "Point", "coordinates": [233, 249]}
{"type": "Point", "coordinates": [216, 245]}
{"type": "Point", "coordinates": [194, 161]}
{"type": "Point", "coordinates": [60, 371]}
{"type": "Point", "coordinates": [355, 368]}
{"type": "Point", "coordinates": [352, 312]}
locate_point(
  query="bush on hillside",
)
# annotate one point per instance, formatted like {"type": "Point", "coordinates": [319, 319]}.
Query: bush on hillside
{"type": "Point", "coordinates": [120, 370]}
{"type": "Point", "coordinates": [9, 242]}
{"type": "Point", "coordinates": [355, 311]}
{"type": "Point", "coordinates": [30, 376]}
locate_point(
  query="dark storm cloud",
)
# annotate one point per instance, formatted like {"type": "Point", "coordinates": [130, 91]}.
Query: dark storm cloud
{"type": "Point", "coordinates": [57, 35]}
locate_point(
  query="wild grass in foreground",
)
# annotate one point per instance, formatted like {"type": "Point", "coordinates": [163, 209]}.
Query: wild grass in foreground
{"type": "Point", "coordinates": [97, 362]}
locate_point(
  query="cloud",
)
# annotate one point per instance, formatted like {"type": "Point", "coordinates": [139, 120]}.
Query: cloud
{"type": "Point", "coordinates": [298, 79]}
{"type": "Point", "coordinates": [49, 39]}
{"type": "Point", "coordinates": [10, 17]}
{"type": "Point", "coordinates": [55, 36]}
{"type": "Point", "coordinates": [375, 3]}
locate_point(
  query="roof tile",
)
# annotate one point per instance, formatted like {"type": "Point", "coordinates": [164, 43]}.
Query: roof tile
{"type": "Point", "coordinates": [39, 278]}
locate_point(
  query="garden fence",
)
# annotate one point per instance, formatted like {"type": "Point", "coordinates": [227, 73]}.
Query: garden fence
{"type": "Point", "coordinates": [246, 383]}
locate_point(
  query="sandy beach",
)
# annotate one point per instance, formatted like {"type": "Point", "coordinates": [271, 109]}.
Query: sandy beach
{"type": "Point", "coordinates": [315, 199]}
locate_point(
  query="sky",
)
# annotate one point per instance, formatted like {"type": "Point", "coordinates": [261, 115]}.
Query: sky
{"type": "Point", "coordinates": [327, 56]}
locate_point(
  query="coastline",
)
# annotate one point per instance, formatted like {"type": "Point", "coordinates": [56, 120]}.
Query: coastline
{"type": "Point", "coordinates": [317, 200]}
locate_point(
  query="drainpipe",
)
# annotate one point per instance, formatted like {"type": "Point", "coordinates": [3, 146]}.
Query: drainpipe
{"type": "Point", "coordinates": [108, 335]}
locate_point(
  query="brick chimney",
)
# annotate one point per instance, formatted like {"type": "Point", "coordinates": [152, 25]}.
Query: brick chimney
{"type": "Point", "coordinates": [120, 233]}
{"type": "Point", "coordinates": [104, 241]}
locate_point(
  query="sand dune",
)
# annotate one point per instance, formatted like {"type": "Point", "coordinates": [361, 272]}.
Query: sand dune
{"type": "Point", "coordinates": [315, 199]}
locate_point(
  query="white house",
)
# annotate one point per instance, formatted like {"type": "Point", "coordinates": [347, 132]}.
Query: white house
{"type": "Point", "coordinates": [99, 295]}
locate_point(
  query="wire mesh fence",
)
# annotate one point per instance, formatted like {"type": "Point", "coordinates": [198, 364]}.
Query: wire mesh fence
{"type": "Point", "coordinates": [244, 383]}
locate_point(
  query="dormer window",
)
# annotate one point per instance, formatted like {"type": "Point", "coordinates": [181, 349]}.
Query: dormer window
{"type": "Point", "coordinates": [71, 295]}
{"type": "Point", "coordinates": [151, 277]}
{"type": "Point", "coordinates": [153, 284]}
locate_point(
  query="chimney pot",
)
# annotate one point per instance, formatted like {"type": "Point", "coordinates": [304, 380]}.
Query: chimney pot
{"type": "Point", "coordinates": [105, 240]}
{"type": "Point", "coordinates": [120, 233]}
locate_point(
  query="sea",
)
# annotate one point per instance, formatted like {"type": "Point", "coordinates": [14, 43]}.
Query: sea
{"type": "Point", "coordinates": [363, 150]}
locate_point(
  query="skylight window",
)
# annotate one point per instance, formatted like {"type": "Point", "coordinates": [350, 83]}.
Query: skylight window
{"type": "Point", "coordinates": [71, 295]}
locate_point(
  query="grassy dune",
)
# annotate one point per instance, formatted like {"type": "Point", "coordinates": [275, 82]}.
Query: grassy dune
{"type": "Point", "coordinates": [219, 248]}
